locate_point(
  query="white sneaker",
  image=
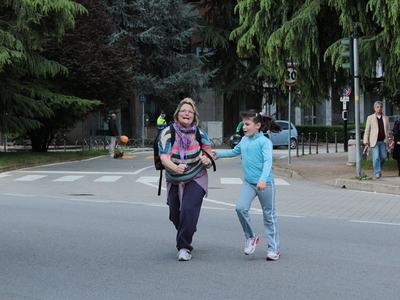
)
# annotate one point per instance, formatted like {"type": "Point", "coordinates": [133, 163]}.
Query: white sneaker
{"type": "Point", "coordinates": [250, 245]}
{"type": "Point", "coordinates": [273, 255]}
{"type": "Point", "coordinates": [184, 255]}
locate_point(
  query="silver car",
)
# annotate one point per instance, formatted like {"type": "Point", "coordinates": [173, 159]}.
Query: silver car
{"type": "Point", "coordinates": [282, 138]}
{"type": "Point", "coordinates": [277, 139]}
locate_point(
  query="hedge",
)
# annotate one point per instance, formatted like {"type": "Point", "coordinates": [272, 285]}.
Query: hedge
{"type": "Point", "coordinates": [324, 130]}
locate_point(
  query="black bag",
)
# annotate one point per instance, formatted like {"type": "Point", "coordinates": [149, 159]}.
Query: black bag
{"type": "Point", "coordinates": [157, 160]}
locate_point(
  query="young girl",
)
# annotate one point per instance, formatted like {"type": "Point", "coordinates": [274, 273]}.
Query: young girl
{"type": "Point", "coordinates": [256, 151]}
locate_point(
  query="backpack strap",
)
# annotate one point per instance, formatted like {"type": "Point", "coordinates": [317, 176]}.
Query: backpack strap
{"type": "Point", "coordinates": [171, 127]}
{"type": "Point", "coordinates": [198, 138]}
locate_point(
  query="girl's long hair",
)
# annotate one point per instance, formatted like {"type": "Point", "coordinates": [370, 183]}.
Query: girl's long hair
{"type": "Point", "coordinates": [267, 123]}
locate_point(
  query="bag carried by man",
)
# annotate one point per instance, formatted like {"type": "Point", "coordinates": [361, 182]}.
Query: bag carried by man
{"type": "Point", "coordinates": [157, 160]}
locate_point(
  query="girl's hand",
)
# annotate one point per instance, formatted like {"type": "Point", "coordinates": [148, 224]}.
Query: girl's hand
{"type": "Point", "coordinates": [214, 155]}
{"type": "Point", "coordinates": [261, 185]}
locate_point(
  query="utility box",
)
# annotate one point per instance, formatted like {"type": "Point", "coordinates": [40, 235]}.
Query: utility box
{"type": "Point", "coordinates": [352, 152]}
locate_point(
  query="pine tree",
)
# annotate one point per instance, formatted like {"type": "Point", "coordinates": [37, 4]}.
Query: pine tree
{"type": "Point", "coordinates": [234, 76]}
{"type": "Point", "coordinates": [160, 32]}
{"type": "Point", "coordinates": [309, 33]}
{"type": "Point", "coordinates": [26, 94]}
{"type": "Point", "coordinates": [96, 69]}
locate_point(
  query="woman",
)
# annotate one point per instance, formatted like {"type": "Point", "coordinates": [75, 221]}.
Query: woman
{"type": "Point", "coordinates": [186, 173]}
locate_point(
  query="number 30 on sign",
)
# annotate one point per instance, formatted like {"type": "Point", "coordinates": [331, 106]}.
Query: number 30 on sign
{"type": "Point", "coordinates": [291, 73]}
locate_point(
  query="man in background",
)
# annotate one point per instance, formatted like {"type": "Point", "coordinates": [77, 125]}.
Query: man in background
{"type": "Point", "coordinates": [161, 122]}
{"type": "Point", "coordinates": [376, 135]}
{"type": "Point", "coordinates": [113, 131]}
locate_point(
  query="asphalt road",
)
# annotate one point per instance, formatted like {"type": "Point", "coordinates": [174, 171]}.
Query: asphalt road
{"type": "Point", "coordinates": [97, 230]}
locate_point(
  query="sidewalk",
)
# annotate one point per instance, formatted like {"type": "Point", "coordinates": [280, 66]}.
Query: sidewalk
{"type": "Point", "coordinates": [332, 169]}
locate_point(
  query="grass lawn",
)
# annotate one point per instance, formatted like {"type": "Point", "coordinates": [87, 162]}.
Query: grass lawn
{"type": "Point", "coordinates": [20, 159]}
{"type": "Point", "coordinates": [390, 164]}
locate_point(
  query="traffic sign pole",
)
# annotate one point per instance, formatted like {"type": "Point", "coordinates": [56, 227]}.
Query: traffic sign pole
{"type": "Point", "coordinates": [142, 99]}
{"type": "Point", "coordinates": [357, 100]}
{"type": "Point", "coordinates": [291, 73]}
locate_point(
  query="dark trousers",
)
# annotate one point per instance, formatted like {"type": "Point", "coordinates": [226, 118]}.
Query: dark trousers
{"type": "Point", "coordinates": [185, 217]}
{"type": "Point", "coordinates": [398, 165]}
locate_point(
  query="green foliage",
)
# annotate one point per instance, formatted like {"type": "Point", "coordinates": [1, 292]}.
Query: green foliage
{"type": "Point", "coordinates": [335, 133]}
{"type": "Point", "coordinates": [362, 176]}
{"type": "Point", "coordinates": [34, 104]}
{"type": "Point", "coordinates": [160, 32]}
{"type": "Point", "coordinates": [235, 77]}
{"type": "Point", "coordinates": [308, 32]}
{"type": "Point", "coordinates": [27, 96]}
{"type": "Point", "coordinates": [390, 164]}
{"type": "Point", "coordinates": [96, 69]}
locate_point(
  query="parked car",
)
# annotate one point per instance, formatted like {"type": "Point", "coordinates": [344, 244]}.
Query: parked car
{"type": "Point", "coordinates": [277, 139]}
{"type": "Point", "coordinates": [234, 139]}
{"type": "Point", "coordinates": [281, 138]}
{"type": "Point", "coordinates": [352, 133]}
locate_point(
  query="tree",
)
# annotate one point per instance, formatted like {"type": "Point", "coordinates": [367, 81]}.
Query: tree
{"type": "Point", "coordinates": [309, 33]}
{"type": "Point", "coordinates": [26, 94]}
{"type": "Point", "coordinates": [234, 75]}
{"type": "Point", "coordinates": [160, 32]}
{"type": "Point", "coordinates": [235, 78]}
{"type": "Point", "coordinates": [96, 69]}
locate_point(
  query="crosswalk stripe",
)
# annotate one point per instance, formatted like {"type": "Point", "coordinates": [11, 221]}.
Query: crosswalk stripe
{"type": "Point", "coordinates": [231, 180]}
{"type": "Point", "coordinates": [228, 180]}
{"type": "Point", "coordinates": [68, 178]}
{"type": "Point", "coordinates": [223, 180]}
{"type": "Point", "coordinates": [280, 181]}
{"type": "Point", "coordinates": [148, 179]}
{"type": "Point", "coordinates": [142, 179]}
{"type": "Point", "coordinates": [107, 179]}
{"type": "Point", "coordinates": [4, 175]}
{"type": "Point", "coordinates": [30, 177]}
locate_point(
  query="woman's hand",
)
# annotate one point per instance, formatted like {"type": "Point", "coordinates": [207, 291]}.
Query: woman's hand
{"type": "Point", "coordinates": [180, 168]}
{"type": "Point", "coordinates": [205, 160]}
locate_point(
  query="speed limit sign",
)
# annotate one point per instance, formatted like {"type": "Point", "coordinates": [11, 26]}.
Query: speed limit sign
{"type": "Point", "coordinates": [291, 73]}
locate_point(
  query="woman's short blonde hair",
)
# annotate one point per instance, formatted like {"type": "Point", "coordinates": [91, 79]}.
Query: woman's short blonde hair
{"type": "Point", "coordinates": [193, 105]}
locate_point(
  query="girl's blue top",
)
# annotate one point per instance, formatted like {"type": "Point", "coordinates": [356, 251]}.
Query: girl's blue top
{"type": "Point", "coordinates": [256, 154]}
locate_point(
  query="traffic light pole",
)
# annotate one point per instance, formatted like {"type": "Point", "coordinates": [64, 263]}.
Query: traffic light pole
{"type": "Point", "coordinates": [357, 99]}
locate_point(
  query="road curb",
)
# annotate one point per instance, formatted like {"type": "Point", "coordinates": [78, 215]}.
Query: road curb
{"type": "Point", "coordinates": [368, 186]}
{"type": "Point", "coordinates": [286, 173]}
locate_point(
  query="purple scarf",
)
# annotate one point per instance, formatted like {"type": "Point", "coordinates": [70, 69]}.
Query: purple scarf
{"type": "Point", "coordinates": [185, 138]}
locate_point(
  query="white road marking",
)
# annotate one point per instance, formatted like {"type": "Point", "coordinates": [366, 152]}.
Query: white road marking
{"type": "Point", "coordinates": [150, 179]}
{"type": "Point", "coordinates": [370, 222]}
{"type": "Point", "coordinates": [77, 172]}
{"type": "Point", "coordinates": [225, 180]}
{"type": "Point", "coordinates": [68, 178]}
{"type": "Point", "coordinates": [30, 177]}
{"type": "Point", "coordinates": [228, 180]}
{"type": "Point", "coordinates": [107, 179]}
{"type": "Point", "coordinates": [280, 181]}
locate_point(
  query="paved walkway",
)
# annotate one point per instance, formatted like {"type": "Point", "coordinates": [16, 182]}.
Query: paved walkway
{"type": "Point", "coordinates": [332, 168]}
